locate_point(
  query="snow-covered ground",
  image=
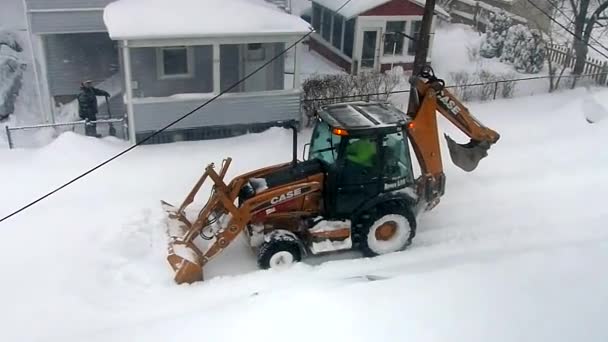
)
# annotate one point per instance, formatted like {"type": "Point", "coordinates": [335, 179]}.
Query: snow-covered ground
{"type": "Point", "coordinates": [515, 252]}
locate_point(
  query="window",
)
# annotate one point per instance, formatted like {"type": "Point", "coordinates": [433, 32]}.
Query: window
{"type": "Point", "coordinates": [394, 42]}
{"type": "Point", "coordinates": [326, 24]}
{"type": "Point", "coordinates": [349, 35]}
{"type": "Point", "coordinates": [324, 145]}
{"type": "Point", "coordinates": [175, 62]}
{"type": "Point", "coordinates": [397, 162]}
{"type": "Point", "coordinates": [316, 17]}
{"type": "Point", "coordinates": [414, 32]}
{"type": "Point", "coordinates": [255, 52]}
{"type": "Point", "coordinates": [336, 36]}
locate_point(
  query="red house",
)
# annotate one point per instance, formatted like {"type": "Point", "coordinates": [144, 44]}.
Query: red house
{"type": "Point", "coordinates": [359, 36]}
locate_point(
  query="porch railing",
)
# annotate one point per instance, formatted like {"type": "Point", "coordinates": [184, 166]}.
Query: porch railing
{"type": "Point", "coordinates": [110, 127]}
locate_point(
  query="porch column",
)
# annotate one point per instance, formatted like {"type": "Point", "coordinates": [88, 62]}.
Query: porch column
{"type": "Point", "coordinates": [296, 67]}
{"type": "Point", "coordinates": [216, 68]}
{"type": "Point", "coordinates": [126, 54]}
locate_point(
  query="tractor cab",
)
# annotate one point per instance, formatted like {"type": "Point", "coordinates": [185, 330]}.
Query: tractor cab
{"type": "Point", "coordinates": [364, 150]}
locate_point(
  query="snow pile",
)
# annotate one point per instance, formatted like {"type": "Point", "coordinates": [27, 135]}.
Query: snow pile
{"type": "Point", "coordinates": [513, 245]}
{"type": "Point", "coordinates": [148, 19]}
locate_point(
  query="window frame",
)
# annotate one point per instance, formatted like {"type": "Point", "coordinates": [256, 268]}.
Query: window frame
{"type": "Point", "coordinates": [399, 38]}
{"type": "Point", "coordinates": [160, 63]}
{"type": "Point", "coordinates": [411, 46]}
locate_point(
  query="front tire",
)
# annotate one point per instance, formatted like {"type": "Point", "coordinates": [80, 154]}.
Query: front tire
{"type": "Point", "coordinates": [389, 230]}
{"type": "Point", "coordinates": [279, 252]}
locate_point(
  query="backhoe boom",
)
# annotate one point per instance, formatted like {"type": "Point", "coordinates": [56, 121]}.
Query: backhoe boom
{"type": "Point", "coordinates": [424, 134]}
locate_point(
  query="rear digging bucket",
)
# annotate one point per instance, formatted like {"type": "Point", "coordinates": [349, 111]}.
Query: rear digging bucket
{"type": "Point", "coordinates": [467, 156]}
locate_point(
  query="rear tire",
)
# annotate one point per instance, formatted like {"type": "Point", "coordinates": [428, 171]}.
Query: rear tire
{"type": "Point", "coordinates": [279, 252]}
{"type": "Point", "coordinates": [390, 228]}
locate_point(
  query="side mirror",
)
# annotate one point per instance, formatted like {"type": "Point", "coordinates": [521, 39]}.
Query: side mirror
{"type": "Point", "coordinates": [304, 154]}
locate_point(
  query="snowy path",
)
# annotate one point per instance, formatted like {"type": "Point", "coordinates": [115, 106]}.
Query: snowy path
{"type": "Point", "coordinates": [515, 251]}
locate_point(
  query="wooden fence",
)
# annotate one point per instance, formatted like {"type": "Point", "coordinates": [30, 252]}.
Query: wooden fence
{"type": "Point", "coordinates": [565, 56]}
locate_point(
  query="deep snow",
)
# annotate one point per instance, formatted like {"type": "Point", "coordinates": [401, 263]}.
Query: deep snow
{"type": "Point", "coordinates": [139, 19]}
{"type": "Point", "coordinates": [515, 251]}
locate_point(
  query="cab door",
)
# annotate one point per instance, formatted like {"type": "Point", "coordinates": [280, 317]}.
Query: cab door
{"type": "Point", "coordinates": [358, 177]}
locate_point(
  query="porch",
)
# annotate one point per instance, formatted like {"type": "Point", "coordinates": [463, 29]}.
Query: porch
{"type": "Point", "coordinates": [167, 78]}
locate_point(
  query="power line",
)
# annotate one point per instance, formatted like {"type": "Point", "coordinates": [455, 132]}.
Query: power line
{"type": "Point", "coordinates": [449, 86]}
{"type": "Point", "coordinates": [164, 128]}
{"type": "Point", "coordinates": [567, 30]}
{"type": "Point", "coordinates": [572, 22]}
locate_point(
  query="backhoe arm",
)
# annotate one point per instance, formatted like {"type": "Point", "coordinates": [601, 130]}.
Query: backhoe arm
{"type": "Point", "coordinates": [424, 134]}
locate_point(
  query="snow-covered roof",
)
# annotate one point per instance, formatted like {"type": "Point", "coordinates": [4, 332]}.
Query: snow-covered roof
{"type": "Point", "coordinates": [164, 19]}
{"type": "Point", "coordinates": [356, 7]}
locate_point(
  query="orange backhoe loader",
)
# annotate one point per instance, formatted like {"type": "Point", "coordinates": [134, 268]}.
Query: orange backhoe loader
{"type": "Point", "coordinates": [355, 189]}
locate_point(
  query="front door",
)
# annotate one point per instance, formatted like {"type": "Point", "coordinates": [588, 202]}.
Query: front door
{"type": "Point", "coordinates": [359, 174]}
{"type": "Point", "coordinates": [369, 50]}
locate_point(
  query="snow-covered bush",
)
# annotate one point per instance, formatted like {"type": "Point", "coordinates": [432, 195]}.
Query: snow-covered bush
{"type": "Point", "coordinates": [496, 33]}
{"type": "Point", "coordinates": [460, 81]}
{"type": "Point", "coordinates": [524, 48]}
{"type": "Point", "coordinates": [532, 53]}
{"type": "Point", "coordinates": [9, 39]}
{"type": "Point", "coordinates": [319, 90]}
{"type": "Point", "coordinates": [516, 36]}
{"type": "Point", "coordinates": [11, 74]}
{"type": "Point", "coordinates": [481, 85]}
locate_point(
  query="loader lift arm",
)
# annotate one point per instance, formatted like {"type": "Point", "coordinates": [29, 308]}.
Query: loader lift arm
{"type": "Point", "coordinates": [424, 134]}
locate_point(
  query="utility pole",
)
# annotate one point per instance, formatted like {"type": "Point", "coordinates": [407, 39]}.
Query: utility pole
{"type": "Point", "coordinates": [422, 49]}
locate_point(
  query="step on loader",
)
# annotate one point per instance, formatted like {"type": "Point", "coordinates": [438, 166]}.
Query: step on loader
{"type": "Point", "coordinates": [355, 189]}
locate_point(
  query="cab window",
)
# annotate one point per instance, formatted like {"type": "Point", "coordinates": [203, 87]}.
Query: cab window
{"type": "Point", "coordinates": [397, 162]}
{"type": "Point", "coordinates": [324, 145]}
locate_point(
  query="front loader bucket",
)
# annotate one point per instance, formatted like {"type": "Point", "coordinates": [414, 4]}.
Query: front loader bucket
{"type": "Point", "coordinates": [467, 156]}
{"type": "Point", "coordinates": [184, 257]}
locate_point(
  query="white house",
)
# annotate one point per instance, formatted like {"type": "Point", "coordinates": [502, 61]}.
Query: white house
{"type": "Point", "coordinates": [161, 59]}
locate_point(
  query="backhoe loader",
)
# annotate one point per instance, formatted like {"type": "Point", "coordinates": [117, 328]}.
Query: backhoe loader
{"type": "Point", "coordinates": [355, 189]}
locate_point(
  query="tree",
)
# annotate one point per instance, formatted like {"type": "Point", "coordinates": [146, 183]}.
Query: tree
{"type": "Point", "coordinates": [10, 40]}
{"type": "Point", "coordinates": [496, 33]}
{"type": "Point", "coordinates": [530, 55]}
{"type": "Point", "coordinates": [587, 16]}
{"type": "Point", "coordinates": [516, 36]}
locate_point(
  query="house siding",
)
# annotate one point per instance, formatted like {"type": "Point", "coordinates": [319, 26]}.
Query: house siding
{"type": "Point", "coordinates": [72, 58]}
{"type": "Point", "coordinates": [67, 22]}
{"type": "Point", "coordinates": [148, 83]}
{"type": "Point", "coordinates": [227, 110]}
{"type": "Point", "coordinates": [395, 7]}
{"type": "Point", "coordinates": [66, 4]}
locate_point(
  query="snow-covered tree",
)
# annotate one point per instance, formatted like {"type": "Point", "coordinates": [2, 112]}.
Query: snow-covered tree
{"type": "Point", "coordinates": [531, 55]}
{"type": "Point", "coordinates": [516, 35]}
{"type": "Point", "coordinates": [496, 33]}
{"type": "Point", "coordinates": [9, 39]}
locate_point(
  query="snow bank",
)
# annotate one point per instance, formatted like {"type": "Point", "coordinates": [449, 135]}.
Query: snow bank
{"type": "Point", "coordinates": [149, 19]}
{"type": "Point", "coordinates": [511, 252]}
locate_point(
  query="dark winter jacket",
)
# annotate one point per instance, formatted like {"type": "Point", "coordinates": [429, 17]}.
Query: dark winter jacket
{"type": "Point", "coordinates": [87, 102]}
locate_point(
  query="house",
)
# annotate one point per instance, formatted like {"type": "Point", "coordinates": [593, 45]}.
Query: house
{"type": "Point", "coordinates": [476, 13]}
{"type": "Point", "coordinates": [162, 59]}
{"type": "Point", "coordinates": [360, 36]}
